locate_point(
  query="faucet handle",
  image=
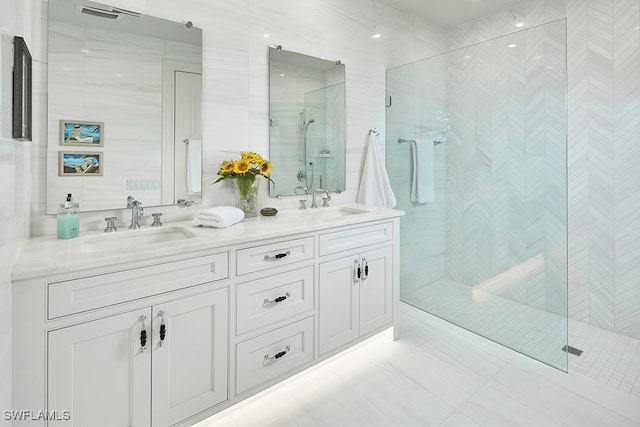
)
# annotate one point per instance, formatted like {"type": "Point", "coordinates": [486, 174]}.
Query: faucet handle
{"type": "Point", "coordinates": [186, 203]}
{"type": "Point", "coordinates": [156, 219]}
{"type": "Point", "coordinates": [303, 204]}
{"type": "Point", "coordinates": [325, 201]}
{"type": "Point", "coordinates": [111, 224]}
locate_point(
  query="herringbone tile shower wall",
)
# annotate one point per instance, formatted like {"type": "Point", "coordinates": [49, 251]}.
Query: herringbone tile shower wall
{"type": "Point", "coordinates": [603, 158]}
{"type": "Point", "coordinates": [507, 194]}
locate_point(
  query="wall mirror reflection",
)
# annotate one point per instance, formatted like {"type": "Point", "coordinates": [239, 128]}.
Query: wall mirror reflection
{"type": "Point", "coordinates": [306, 123]}
{"type": "Point", "coordinates": [139, 78]}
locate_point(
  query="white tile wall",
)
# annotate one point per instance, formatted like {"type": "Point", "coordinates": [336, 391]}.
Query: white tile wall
{"type": "Point", "coordinates": [15, 173]}
{"type": "Point", "coordinates": [507, 164]}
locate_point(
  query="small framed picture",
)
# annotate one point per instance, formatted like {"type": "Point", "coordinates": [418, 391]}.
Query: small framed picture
{"type": "Point", "coordinates": [75, 163]}
{"type": "Point", "coordinates": [82, 133]}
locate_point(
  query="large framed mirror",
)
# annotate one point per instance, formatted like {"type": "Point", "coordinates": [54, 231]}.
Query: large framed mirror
{"type": "Point", "coordinates": [307, 124]}
{"type": "Point", "coordinates": [124, 107]}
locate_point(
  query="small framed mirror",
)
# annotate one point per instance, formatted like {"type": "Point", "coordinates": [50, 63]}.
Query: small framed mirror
{"type": "Point", "coordinates": [307, 124]}
{"type": "Point", "coordinates": [21, 90]}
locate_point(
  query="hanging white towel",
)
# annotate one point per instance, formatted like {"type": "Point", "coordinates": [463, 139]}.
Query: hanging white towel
{"type": "Point", "coordinates": [375, 189]}
{"type": "Point", "coordinates": [218, 217]}
{"type": "Point", "coordinates": [194, 166]}
{"type": "Point", "coordinates": [422, 180]}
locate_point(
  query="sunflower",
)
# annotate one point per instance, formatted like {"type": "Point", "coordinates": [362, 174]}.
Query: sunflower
{"type": "Point", "coordinates": [241, 166]}
{"type": "Point", "coordinates": [251, 156]}
{"type": "Point", "coordinates": [226, 167]}
{"type": "Point", "coordinates": [245, 169]}
{"type": "Point", "coordinates": [265, 167]}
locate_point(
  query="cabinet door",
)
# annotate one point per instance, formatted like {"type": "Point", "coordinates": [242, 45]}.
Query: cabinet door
{"type": "Point", "coordinates": [190, 366]}
{"type": "Point", "coordinates": [338, 303]}
{"type": "Point", "coordinates": [97, 372]}
{"type": "Point", "coordinates": [376, 290]}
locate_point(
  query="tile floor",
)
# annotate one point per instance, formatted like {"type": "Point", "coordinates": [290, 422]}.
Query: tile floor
{"type": "Point", "coordinates": [436, 374]}
{"type": "Point", "coordinates": [537, 333]}
{"type": "Point", "coordinates": [608, 357]}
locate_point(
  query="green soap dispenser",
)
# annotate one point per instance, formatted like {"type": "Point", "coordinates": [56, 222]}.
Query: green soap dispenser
{"type": "Point", "coordinates": [68, 219]}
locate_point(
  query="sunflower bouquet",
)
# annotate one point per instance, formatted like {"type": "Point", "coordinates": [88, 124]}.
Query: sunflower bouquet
{"type": "Point", "coordinates": [244, 171]}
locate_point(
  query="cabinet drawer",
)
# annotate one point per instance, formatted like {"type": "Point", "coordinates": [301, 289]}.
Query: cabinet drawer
{"type": "Point", "coordinates": [255, 358]}
{"type": "Point", "coordinates": [265, 301]}
{"type": "Point", "coordinates": [355, 237]}
{"type": "Point", "coordinates": [267, 256]}
{"type": "Point", "coordinates": [88, 293]}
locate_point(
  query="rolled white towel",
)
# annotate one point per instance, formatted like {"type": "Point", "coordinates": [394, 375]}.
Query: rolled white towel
{"type": "Point", "coordinates": [218, 217]}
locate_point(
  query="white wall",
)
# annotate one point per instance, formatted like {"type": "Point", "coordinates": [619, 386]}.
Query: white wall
{"type": "Point", "coordinates": [235, 78]}
{"type": "Point", "coordinates": [603, 53]}
{"type": "Point", "coordinates": [15, 170]}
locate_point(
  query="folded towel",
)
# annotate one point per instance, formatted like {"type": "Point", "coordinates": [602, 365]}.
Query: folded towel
{"type": "Point", "coordinates": [422, 181]}
{"type": "Point", "coordinates": [194, 166]}
{"type": "Point", "coordinates": [375, 189]}
{"type": "Point", "coordinates": [218, 217]}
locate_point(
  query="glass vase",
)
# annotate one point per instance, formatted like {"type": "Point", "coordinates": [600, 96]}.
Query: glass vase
{"type": "Point", "coordinates": [246, 193]}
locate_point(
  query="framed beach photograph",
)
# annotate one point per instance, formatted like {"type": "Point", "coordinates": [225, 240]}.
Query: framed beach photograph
{"type": "Point", "coordinates": [75, 163]}
{"type": "Point", "coordinates": [88, 134]}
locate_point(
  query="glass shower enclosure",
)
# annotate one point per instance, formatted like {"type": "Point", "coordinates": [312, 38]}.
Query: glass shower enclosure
{"type": "Point", "coordinates": [476, 154]}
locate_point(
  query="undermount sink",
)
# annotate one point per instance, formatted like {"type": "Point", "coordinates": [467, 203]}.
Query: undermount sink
{"type": "Point", "coordinates": [331, 213]}
{"type": "Point", "coordinates": [135, 240]}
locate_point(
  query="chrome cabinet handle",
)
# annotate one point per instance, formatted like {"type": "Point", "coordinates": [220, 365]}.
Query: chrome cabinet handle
{"type": "Point", "coordinates": [276, 300]}
{"type": "Point", "coordinates": [356, 272]}
{"type": "Point", "coordinates": [143, 334]}
{"type": "Point", "coordinates": [365, 269]}
{"type": "Point", "coordinates": [163, 328]}
{"type": "Point", "coordinates": [278, 355]}
{"type": "Point", "coordinates": [277, 256]}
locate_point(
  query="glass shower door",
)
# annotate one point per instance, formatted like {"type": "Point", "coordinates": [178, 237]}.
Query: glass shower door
{"type": "Point", "coordinates": [488, 251]}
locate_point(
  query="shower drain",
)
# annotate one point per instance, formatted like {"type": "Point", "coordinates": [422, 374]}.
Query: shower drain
{"type": "Point", "coordinates": [572, 350]}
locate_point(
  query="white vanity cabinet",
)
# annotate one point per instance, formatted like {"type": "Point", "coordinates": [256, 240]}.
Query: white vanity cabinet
{"type": "Point", "coordinates": [274, 311]}
{"type": "Point", "coordinates": [132, 372]}
{"type": "Point", "coordinates": [142, 345]}
{"type": "Point", "coordinates": [171, 338]}
{"type": "Point", "coordinates": [97, 368]}
{"type": "Point", "coordinates": [352, 302]}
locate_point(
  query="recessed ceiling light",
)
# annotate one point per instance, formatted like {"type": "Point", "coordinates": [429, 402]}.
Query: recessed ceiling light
{"type": "Point", "coordinates": [512, 45]}
{"type": "Point", "coordinates": [376, 36]}
{"type": "Point", "coordinates": [281, 74]}
{"type": "Point", "coordinates": [266, 36]}
{"type": "Point", "coordinates": [520, 25]}
{"type": "Point", "coordinates": [84, 50]}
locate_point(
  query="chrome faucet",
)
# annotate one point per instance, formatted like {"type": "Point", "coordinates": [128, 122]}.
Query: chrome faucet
{"type": "Point", "coordinates": [305, 189]}
{"type": "Point", "coordinates": [314, 204]}
{"type": "Point", "coordinates": [137, 212]}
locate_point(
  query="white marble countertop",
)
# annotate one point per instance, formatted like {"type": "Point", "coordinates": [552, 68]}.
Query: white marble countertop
{"type": "Point", "coordinates": [48, 255]}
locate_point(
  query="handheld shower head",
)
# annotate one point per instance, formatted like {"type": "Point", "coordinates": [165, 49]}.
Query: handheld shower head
{"type": "Point", "coordinates": [306, 125]}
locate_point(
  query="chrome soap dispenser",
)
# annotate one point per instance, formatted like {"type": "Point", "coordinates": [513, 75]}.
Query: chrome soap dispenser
{"type": "Point", "coordinates": [68, 219]}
